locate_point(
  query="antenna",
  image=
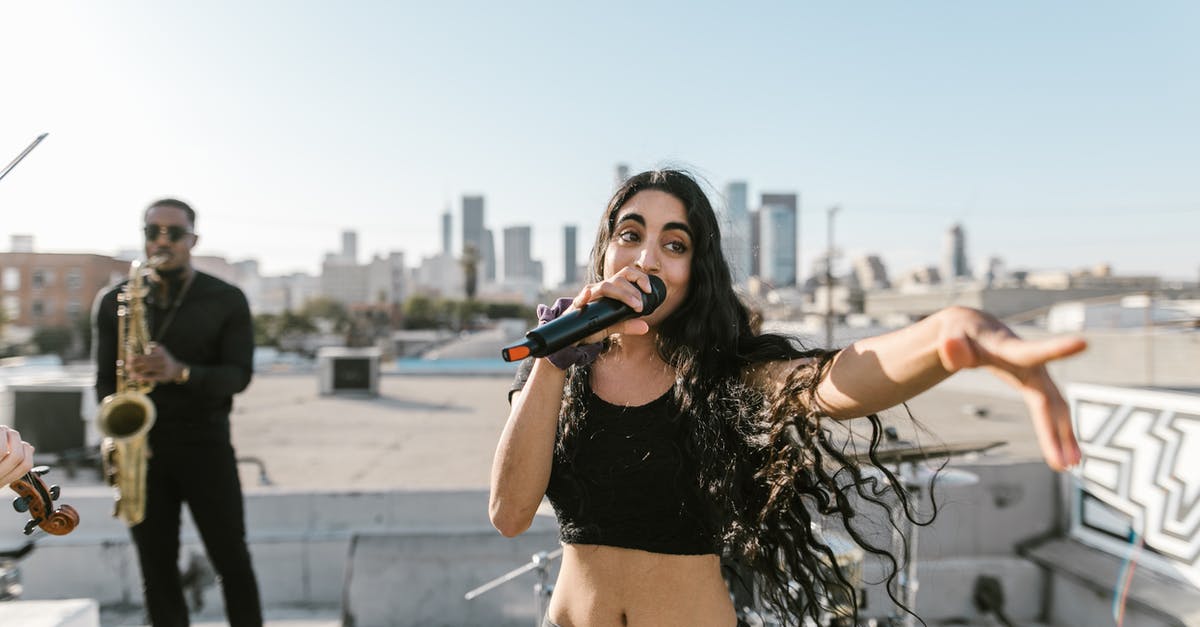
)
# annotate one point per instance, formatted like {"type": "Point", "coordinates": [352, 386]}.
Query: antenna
{"type": "Point", "coordinates": [22, 155]}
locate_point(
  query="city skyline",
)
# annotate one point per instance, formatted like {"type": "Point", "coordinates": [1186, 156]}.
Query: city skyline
{"type": "Point", "coordinates": [1051, 146]}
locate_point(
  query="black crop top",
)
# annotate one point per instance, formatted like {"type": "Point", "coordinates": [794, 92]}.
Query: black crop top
{"type": "Point", "coordinates": [628, 482]}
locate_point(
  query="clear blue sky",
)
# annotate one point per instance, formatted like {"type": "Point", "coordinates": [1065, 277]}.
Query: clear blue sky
{"type": "Point", "coordinates": [1060, 134]}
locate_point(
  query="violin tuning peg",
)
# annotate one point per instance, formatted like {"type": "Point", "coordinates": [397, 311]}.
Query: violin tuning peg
{"type": "Point", "coordinates": [54, 492]}
{"type": "Point", "coordinates": [21, 504]}
{"type": "Point", "coordinates": [30, 526]}
{"type": "Point", "coordinates": [40, 470]}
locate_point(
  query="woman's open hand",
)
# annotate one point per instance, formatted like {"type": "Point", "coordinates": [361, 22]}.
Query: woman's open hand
{"type": "Point", "coordinates": [973, 339]}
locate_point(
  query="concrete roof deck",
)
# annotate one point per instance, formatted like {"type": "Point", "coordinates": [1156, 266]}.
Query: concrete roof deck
{"type": "Point", "coordinates": [439, 433]}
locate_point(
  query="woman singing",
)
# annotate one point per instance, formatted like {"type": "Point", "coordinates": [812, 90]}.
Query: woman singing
{"type": "Point", "coordinates": [667, 441]}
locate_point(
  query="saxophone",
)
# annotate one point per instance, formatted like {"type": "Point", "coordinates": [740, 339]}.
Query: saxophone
{"type": "Point", "coordinates": [125, 416]}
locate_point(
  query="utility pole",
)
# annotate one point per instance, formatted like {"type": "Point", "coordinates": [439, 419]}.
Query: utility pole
{"type": "Point", "coordinates": [832, 211]}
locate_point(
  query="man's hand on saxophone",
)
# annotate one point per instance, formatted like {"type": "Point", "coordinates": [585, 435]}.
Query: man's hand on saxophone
{"type": "Point", "coordinates": [158, 366]}
{"type": "Point", "coordinates": [16, 456]}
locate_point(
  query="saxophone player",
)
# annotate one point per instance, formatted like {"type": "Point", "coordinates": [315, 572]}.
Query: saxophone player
{"type": "Point", "coordinates": [199, 355]}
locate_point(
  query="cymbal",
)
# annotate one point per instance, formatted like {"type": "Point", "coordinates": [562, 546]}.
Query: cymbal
{"type": "Point", "coordinates": [905, 452]}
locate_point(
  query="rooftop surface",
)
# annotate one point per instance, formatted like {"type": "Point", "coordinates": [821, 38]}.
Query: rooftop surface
{"type": "Point", "coordinates": [439, 433]}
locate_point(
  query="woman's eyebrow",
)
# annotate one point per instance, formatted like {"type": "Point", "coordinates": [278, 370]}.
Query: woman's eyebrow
{"type": "Point", "coordinates": [678, 226]}
{"type": "Point", "coordinates": [637, 217]}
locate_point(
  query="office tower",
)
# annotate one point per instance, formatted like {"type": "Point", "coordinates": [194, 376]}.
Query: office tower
{"type": "Point", "coordinates": [755, 244]}
{"type": "Point", "coordinates": [386, 280]}
{"type": "Point", "coordinates": [518, 260]}
{"type": "Point", "coordinates": [993, 271]}
{"type": "Point", "coordinates": [447, 235]}
{"type": "Point", "coordinates": [477, 237]}
{"type": "Point", "coordinates": [472, 223]}
{"type": "Point", "coordinates": [570, 265]}
{"type": "Point", "coordinates": [871, 273]}
{"type": "Point", "coordinates": [488, 256]}
{"type": "Point", "coordinates": [954, 255]}
{"type": "Point", "coordinates": [350, 246]}
{"type": "Point", "coordinates": [622, 175]}
{"type": "Point", "coordinates": [735, 232]}
{"type": "Point", "coordinates": [777, 239]}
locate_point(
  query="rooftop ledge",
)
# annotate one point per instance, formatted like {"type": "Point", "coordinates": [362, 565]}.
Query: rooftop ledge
{"type": "Point", "coordinates": [1175, 602]}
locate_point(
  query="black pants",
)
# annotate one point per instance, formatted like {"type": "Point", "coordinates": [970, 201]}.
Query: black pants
{"type": "Point", "coordinates": [205, 477]}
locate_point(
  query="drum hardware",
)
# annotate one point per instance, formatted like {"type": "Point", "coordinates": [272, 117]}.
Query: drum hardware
{"type": "Point", "coordinates": [904, 452]}
{"type": "Point", "coordinates": [915, 477]}
{"type": "Point", "coordinates": [903, 458]}
{"type": "Point", "coordinates": [847, 556]}
{"type": "Point", "coordinates": [541, 590]}
{"type": "Point", "coordinates": [10, 572]}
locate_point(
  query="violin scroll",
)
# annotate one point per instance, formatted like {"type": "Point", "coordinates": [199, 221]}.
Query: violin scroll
{"type": "Point", "coordinates": [35, 497]}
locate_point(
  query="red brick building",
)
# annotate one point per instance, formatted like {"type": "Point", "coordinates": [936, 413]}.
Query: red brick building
{"type": "Point", "coordinates": [40, 290]}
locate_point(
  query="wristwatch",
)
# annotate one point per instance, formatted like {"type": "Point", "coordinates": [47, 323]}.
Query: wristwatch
{"type": "Point", "coordinates": [184, 375]}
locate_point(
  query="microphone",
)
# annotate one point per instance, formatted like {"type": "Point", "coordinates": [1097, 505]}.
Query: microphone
{"type": "Point", "coordinates": [576, 325]}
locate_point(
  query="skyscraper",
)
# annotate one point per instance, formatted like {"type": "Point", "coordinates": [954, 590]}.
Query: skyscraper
{"type": "Point", "coordinates": [488, 256]}
{"type": "Point", "coordinates": [350, 246]}
{"type": "Point", "coordinates": [447, 235]}
{"type": "Point", "coordinates": [954, 255]}
{"type": "Point", "coordinates": [621, 174]}
{"type": "Point", "coordinates": [735, 232]}
{"type": "Point", "coordinates": [871, 273]}
{"type": "Point", "coordinates": [476, 236]}
{"type": "Point", "coordinates": [518, 258]}
{"type": "Point", "coordinates": [777, 239]}
{"type": "Point", "coordinates": [472, 222]}
{"type": "Point", "coordinates": [570, 265]}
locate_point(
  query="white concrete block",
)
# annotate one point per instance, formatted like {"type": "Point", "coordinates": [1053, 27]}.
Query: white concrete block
{"type": "Point", "coordinates": [107, 572]}
{"type": "Point", "coordinates": [325, 563]}
{"type": "Point", "coordinates": [420, 579]}
{"type": "Point", "coordinates": [1076, 605]}
{"type": "Point", "coordinates": [64, 613]}
{"type": "Point", "coordinates": [946, 589]}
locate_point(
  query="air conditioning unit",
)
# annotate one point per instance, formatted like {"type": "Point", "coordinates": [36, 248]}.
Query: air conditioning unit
{"type": "Point", "coordinates": [352, 371]}
{"type": "Point", "coordinates": [56, 417]}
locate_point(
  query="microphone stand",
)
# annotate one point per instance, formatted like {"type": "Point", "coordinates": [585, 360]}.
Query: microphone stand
{"type": "Point", "coordinates": [541, 590]}
{"type": "Point", "coordinates": [22, 155]}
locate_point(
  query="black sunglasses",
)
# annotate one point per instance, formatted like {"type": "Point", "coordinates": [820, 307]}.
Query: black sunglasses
{"type": "Point", "coordinates": [173, 232]}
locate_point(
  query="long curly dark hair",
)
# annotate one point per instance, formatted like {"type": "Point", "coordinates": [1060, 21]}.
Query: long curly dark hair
{"type": "Point", "coordinates": [768, 465]}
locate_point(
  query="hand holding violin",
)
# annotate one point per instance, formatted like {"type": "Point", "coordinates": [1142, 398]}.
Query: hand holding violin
{"type": "Point", "coordinates": [16, 457]}
{"type": "Point", "coordinates": [33, 495]}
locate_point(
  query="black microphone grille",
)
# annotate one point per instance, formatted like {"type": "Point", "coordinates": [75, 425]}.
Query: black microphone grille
{"type": "Point", "coordinates": [658, 293]}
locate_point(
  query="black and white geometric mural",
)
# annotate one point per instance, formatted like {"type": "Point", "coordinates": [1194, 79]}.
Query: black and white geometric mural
{"type": "Point", "coordinates": [1140, 472]}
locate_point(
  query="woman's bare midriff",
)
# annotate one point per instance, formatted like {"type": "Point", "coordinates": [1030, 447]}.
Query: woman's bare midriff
{"type": "Point", "coordinates": [607, 586]}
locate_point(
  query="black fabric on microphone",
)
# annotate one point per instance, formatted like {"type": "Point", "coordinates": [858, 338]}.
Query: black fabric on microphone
{"type": "Point", "coordinates": [580, 323]}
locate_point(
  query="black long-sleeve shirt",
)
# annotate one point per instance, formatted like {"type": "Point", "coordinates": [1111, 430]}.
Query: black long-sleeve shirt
{"type": "Point", "coordinates": [212, 333]}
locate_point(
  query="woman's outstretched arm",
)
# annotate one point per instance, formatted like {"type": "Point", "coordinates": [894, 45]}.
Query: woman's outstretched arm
{"type": "Point", "coordinates": [880, 372]}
